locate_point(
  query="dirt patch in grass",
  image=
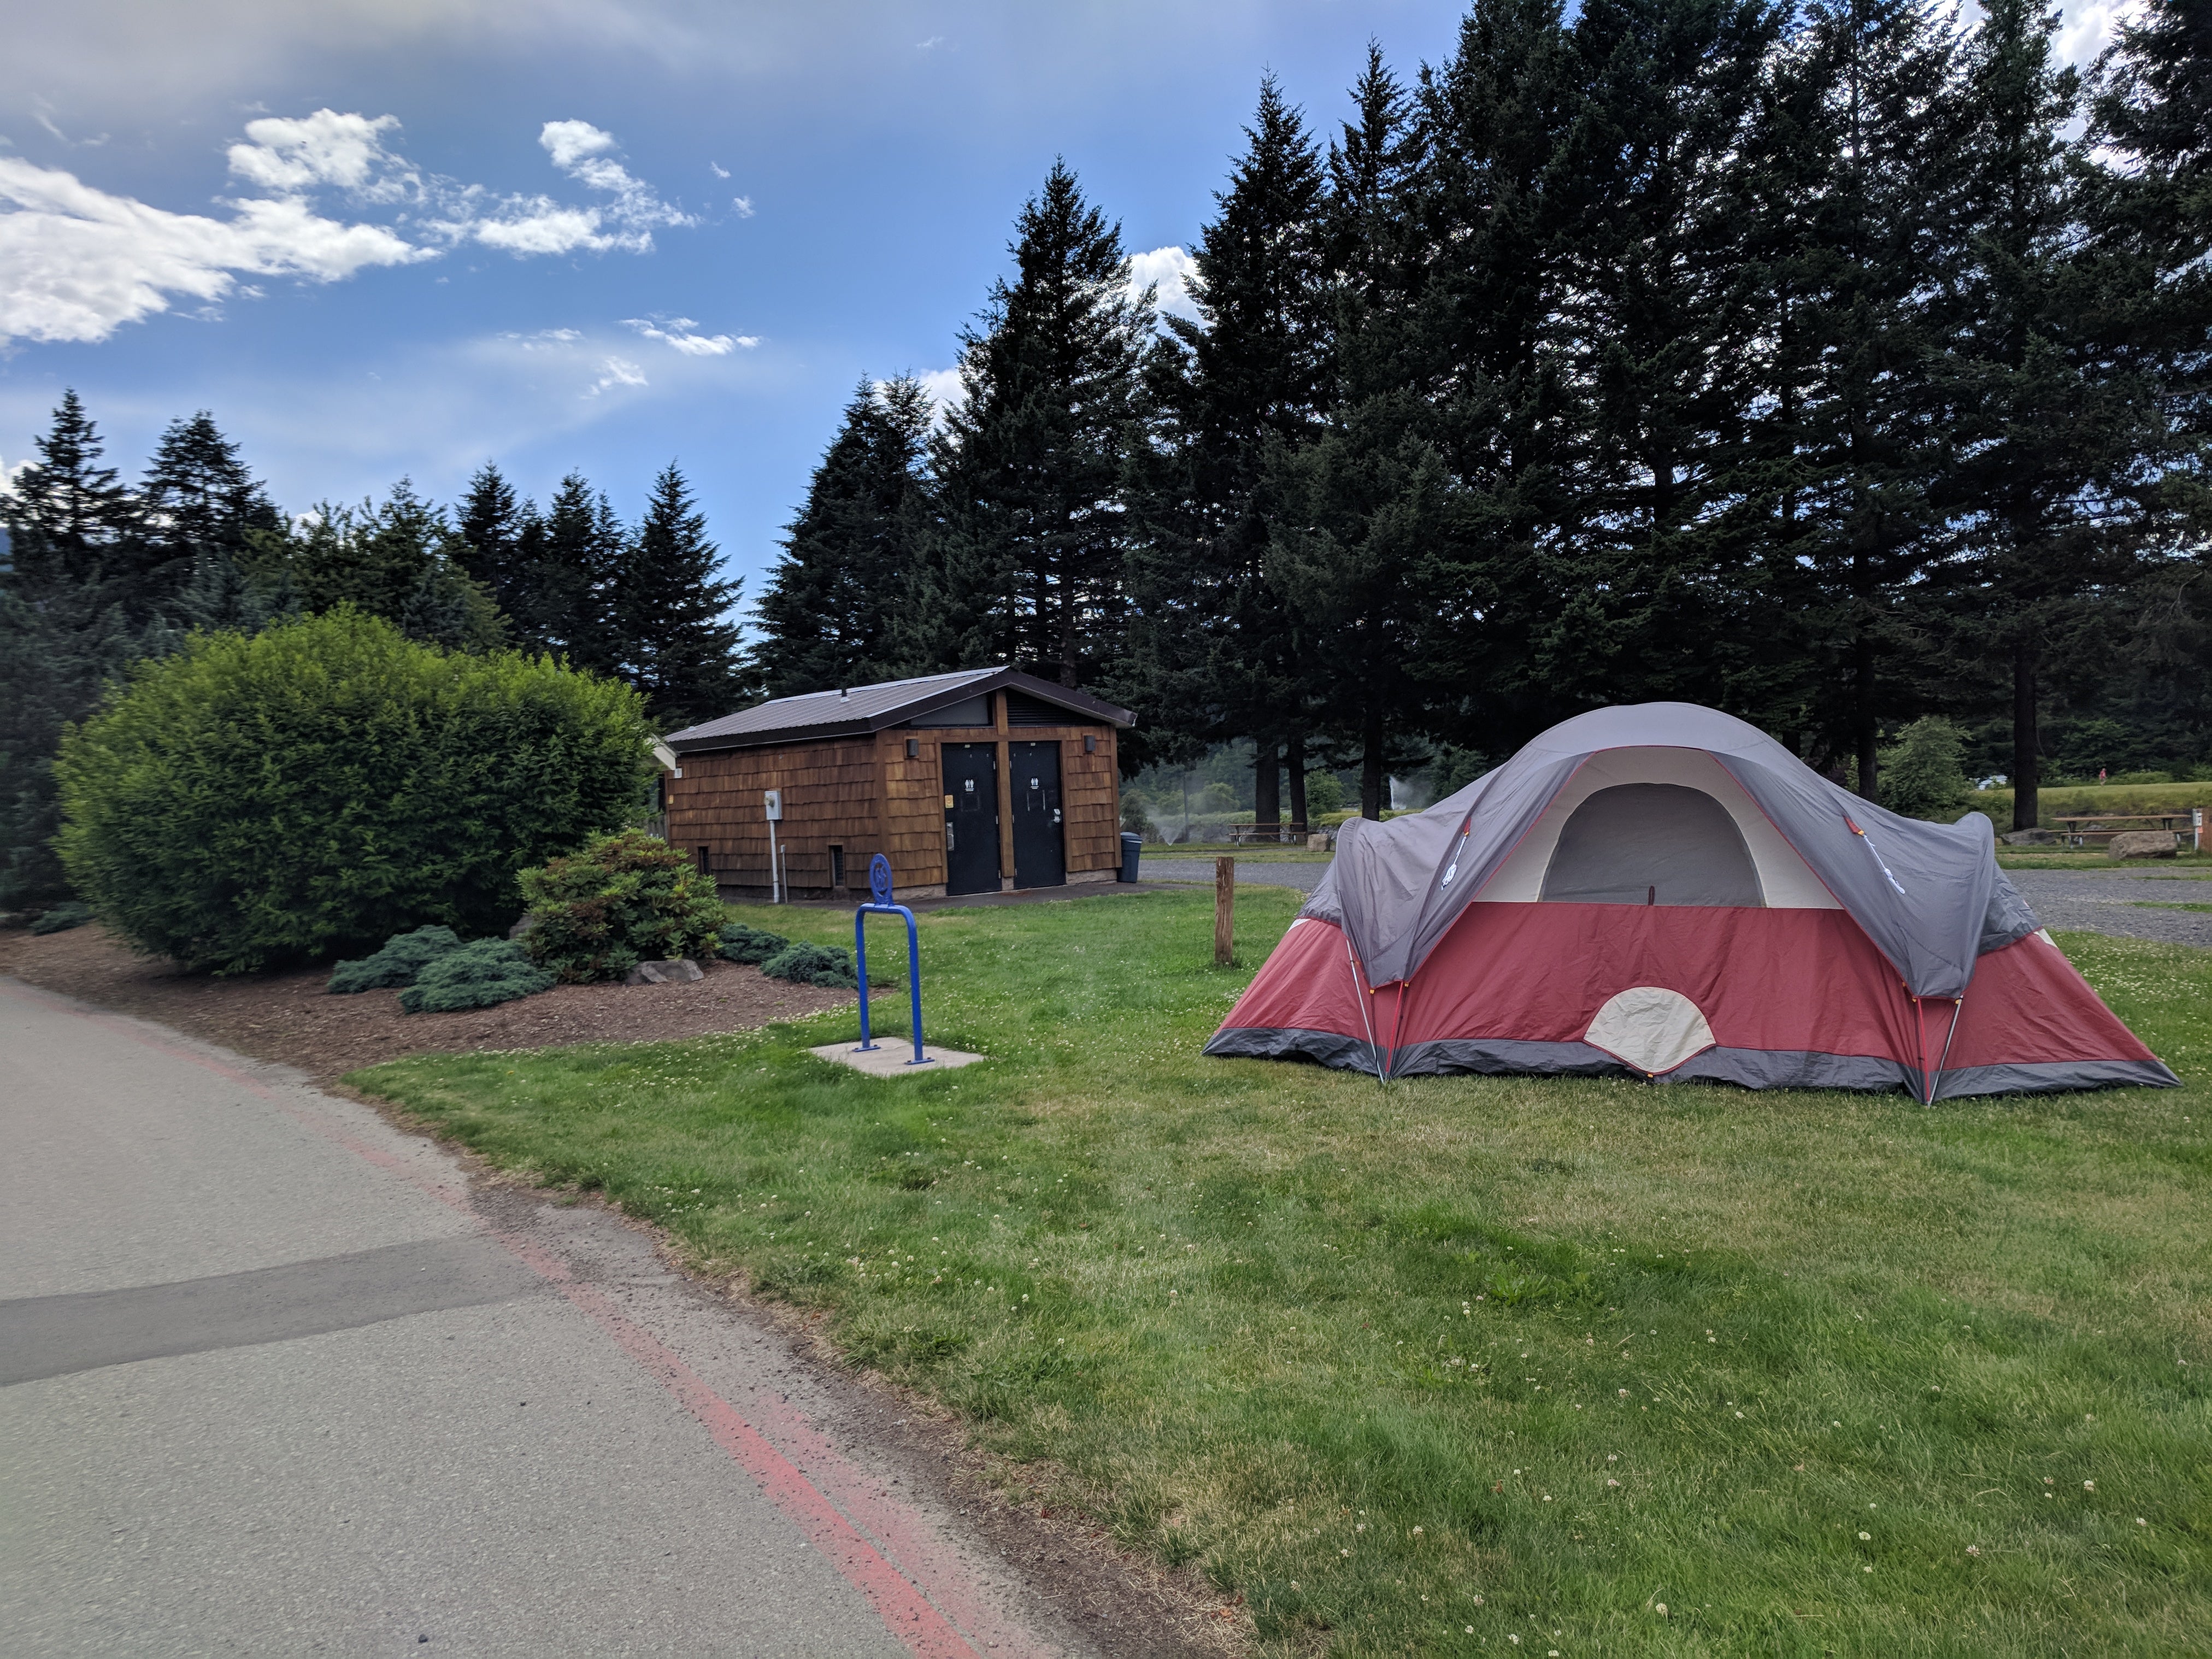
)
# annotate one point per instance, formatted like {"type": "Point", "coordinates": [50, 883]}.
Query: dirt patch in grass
{"type": "Point", "coordinates": [291, 1018]}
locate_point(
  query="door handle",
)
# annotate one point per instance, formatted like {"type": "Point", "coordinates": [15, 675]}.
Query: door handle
{"type": "Point", "coordinates": [1056, 817]}
{"type": "Point", "coordinates": [949, 845]}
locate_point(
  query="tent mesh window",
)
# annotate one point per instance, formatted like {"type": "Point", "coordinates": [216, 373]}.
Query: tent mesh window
{"type": "Point", "coordinates": [1652, 843]}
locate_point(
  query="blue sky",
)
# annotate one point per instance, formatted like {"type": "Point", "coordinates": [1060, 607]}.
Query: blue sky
{"type": "Point", "coordinates": [387, 237]}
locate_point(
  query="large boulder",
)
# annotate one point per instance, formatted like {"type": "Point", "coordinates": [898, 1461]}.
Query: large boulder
{"type": "Point", "coordinates": [2141, 844]}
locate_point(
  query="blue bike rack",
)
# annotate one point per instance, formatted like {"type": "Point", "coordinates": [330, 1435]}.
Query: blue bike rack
{"type": "Point", "coordinates": [880, 884]}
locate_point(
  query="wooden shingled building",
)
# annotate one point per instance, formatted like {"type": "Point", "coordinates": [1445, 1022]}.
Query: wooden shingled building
{"type": "Point", "coordinates": [973, 782]}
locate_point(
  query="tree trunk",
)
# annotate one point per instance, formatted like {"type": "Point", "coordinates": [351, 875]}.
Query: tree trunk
{"type": "Point", "coordinates": [2026, 809]}
{"type": "Point", "coordinates": [1268, 787]}
{"type": "Point", "coordinates": [1294, 761]}
{"type": "Point", "coordinates": [1863, 720]}
{"type": "Point", "coordinates": [1374, 787]}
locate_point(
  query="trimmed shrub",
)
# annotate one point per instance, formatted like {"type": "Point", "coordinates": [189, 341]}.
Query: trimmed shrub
{"type": "Point", "coordinates": [624, 899]}
{"type": "Point", "coordinates": [742, 943]}
{"type": "Point", "coordinates": [808, 963]}
{"type": "Point", "coordinates": [491, 970]}
{"type": "Point", "coordinates": [63, 917]}
{"type": "Point", "coordinates": [403, 957]}
{"type": "Point", "coordinates": [250, 802]}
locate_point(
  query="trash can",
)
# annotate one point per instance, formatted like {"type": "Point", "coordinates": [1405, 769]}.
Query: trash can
{"type": "Point", "coordinates": [1133, 849]}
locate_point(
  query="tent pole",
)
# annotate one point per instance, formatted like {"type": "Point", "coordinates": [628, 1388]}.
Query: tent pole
{"type": "Point", "coordinates": [1957, 1008]}
{"type": "Point", "coordinates": [1366, 1017]}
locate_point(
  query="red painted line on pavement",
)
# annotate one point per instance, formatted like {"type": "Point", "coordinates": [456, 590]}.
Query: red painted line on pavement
{"type": "Point", "coordinates": [909, 1614]}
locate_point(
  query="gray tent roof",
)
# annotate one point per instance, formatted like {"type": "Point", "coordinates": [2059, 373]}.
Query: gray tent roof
{"type": "Point", "coordinates": [857, 710]}
{"type": "Point", "coordinates": [1930, 895]}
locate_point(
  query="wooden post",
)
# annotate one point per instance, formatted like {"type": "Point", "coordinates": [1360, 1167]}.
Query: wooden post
{"type": "Point", "coordinates": [1224, 911]}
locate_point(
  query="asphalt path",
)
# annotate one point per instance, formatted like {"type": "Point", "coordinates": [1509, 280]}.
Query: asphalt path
{"type": "Point", "coordinates": [276, 1378]}
{"type": "Point", "coordinates": [2128, 901]}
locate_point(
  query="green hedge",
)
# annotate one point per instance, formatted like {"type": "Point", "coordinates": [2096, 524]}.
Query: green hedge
{"type": "Point", "coordinates": [323, 785]}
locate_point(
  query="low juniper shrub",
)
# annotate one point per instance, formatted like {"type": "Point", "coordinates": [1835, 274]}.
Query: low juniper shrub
{"type": "Point", "coordinates": [755, 944]}
{"type": "Point", "coordinates": [63, 917]}
{"type": "Point", "coordinates": [808, 963]}
{"type": "Point", "coordinates": [491, 970]}
{"type": "Point", "coordinates": [403, 958]}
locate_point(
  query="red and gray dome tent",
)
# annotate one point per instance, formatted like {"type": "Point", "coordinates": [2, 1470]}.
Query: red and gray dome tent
{"type": "Point", "coordinates": [1665, 891]}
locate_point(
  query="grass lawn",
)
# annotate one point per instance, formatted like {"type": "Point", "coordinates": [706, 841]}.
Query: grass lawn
{"type": "Point", "coordinates": [2182, 866]}
{"type": "Point", "coordinates": [1428, 1367]}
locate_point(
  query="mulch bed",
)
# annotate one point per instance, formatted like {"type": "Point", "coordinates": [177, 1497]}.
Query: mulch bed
{"type": "Point", "coordinates": [291, 1018]}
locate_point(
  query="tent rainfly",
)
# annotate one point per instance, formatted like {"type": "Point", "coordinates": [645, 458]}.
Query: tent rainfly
{"type": "Point", "coordinates": [1664, 891]}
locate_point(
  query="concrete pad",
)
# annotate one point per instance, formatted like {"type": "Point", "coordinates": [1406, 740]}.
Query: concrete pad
{"type": "Point", "coordinates": [894, 1057]}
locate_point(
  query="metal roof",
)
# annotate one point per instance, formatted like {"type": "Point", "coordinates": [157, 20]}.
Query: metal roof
{"type": "Point", "coordinates": [861, 710]}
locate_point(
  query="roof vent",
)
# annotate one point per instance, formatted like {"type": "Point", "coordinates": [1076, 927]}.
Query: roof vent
{"type": "Point", "coordinates": [844, 692]}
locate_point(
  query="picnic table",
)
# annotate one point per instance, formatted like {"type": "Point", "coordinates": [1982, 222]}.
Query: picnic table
{"type": "Point", "coordinates": [2096, 829]}
{"type": "Point", "coordinates": [1239, 834]}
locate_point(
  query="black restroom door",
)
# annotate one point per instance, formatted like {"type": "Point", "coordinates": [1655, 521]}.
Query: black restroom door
{"type": "Point", "coordinates": [971, 817]}
{"type": "Point", "coordinates": [1039, 850]}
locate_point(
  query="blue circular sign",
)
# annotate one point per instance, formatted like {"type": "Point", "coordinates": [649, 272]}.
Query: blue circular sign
{"type": "Point", "coordinates": [879, 879]}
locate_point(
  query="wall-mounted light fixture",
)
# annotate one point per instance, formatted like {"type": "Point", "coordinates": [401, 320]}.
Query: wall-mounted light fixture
{"type": "Point", "coordinates": [1090, 745]}
{"type": "Point", "coordinates": [913, 748]}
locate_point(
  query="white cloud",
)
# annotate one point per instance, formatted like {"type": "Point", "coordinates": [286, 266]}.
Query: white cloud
{"type": "Point", "coordinates": [617, 371]}
{"type": "Point", "coordinates": [2086, 28]}
{"type": "Point", "coordinates": [718, 169]}
{"type": "Point", "coordinates": [77, 264]}
{"type": "Point", "coordinates": [945, 386]}
{"type": "Point", "coordinates": [526, 225]}
{"type": "Point", "coordinates": [326, 147]}
{"type": "Point", "coordinates": [538, 224]}
{"type": "Point", "coordinates": [743, 205]}
{"type": "Point", "coordinates": [1175, 275]}
{"type": "Point", "coordinates": [681, 336]}
{"type": "Point", "coordinates": [569, 142]}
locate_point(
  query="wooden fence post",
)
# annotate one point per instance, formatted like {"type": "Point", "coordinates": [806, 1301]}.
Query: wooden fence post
{"type": "Point", "coordinates": [1224, 911]}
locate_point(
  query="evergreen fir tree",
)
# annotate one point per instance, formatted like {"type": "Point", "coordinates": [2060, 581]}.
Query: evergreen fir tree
{"type": "Point", "coordinates": [69, 518]}
{"type": "Point", "coordinates": [500, 544]}
{"type": "Point", "coordinates": [398, 558]}
{"type": "Point", "coordinates": [1363, 503]}
{"type": "Point", "coordinates": [838, 607]}
{"type": "Point", "coordinates": [1858, 392]}
{"type": "Point", "coordinates": [1033, 537]}
{"type": "Point", "coordinates": [582, 547]}
{"type": "Point", "coordinates": [1651, 582]}
{"type": "Point", "coordinates": [199, 511]}
{"type": "Point", "coordinates": [66, 633]}
{"type": "Point", "coordinates": [1215, 645]}
{"type": "Point", "coordinates": [2042, 421]}
{"type": "Point", "coordinates": [678, 646]}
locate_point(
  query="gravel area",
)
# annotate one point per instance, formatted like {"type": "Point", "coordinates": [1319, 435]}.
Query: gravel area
{"type": "Point", "coordinates": [2120, 901]}
{"type": "Point", "coordinates": [290, 1017]}
{"type": "Point", "coordinates": [1250, 873]}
